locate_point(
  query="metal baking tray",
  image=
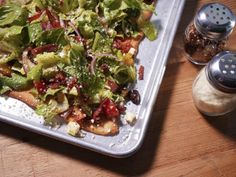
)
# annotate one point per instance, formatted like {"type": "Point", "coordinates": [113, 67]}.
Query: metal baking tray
{"type": "Point", "coordinates": [153, 56]}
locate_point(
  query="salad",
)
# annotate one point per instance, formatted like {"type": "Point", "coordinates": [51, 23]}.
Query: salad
{"type": "Point", "coordinates": [74, 59]}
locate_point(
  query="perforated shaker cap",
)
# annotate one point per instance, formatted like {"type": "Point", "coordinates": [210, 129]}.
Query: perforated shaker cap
{"type": "Point", "coordinates": [215, 21]}
{"type": "Point", "coordinates": [221, 71]}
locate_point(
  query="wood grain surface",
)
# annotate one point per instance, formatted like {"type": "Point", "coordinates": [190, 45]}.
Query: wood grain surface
{"type": "Point", "coordinates": [180, 142]}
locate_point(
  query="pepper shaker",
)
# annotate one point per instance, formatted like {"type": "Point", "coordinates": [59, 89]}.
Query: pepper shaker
{"type": "Point", "coordinates": [208, 33]}
{"type": "Point", "coordinates": [214, 89]}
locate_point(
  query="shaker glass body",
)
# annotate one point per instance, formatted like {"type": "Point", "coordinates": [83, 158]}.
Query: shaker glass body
{"type": "Point", "coordinates": [209, 100]}
{"type": "Point", "coordinates": [200, 49]}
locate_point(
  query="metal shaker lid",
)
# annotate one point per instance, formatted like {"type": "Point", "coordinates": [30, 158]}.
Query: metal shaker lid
{"type": "Point", "coordinates": [221, 71]}
{"type": "Point", "coordinates": [215, 21]}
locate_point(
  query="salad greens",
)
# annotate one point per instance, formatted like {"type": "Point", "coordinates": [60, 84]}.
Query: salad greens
{"type": "Point", "coordinates": [76, 56]}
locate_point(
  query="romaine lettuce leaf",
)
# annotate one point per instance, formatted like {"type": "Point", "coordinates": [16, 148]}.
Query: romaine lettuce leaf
{"type": "Point", "coordinates": [125, 74]}
{"type": "Point", "coordinates": [54, 36]}
{"type": "Point", "coordinates": [88, 23]}
{"type": "Point", "coordinates": [50, 59]}
{"type": "Point", "coordinates": [13, 14]}
{"type": "Point", "coordinates": [16, 82]}
{"type": "Point", "coordinates": [54, 107]}
{"type": "Point", "coordinates": [34, 32]}
{"type": "Point", "coordinates": [102, 43]}
{"type": "Point", "coordinates": [149, 30]}
{"type": "Point", "coordinates": [35, 73]}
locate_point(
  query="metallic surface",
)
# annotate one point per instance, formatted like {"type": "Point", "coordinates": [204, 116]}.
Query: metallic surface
{"type": "Point", "coordinates": [153, 56]}
{"type": "Point", "coordinates": [222, 71]}
{"type": "Point", "coordinates": [215, 20]}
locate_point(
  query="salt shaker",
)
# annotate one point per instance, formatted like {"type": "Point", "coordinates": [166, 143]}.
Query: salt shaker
{"type": "Point", "coordinates": [214, 89]}
{"type": "Point", "coordinates": [208, 33]}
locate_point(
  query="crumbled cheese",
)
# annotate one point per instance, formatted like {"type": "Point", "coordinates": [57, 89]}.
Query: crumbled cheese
{"type": "Point", "coordinates": [132, 51]}
{"type": "Point", "coordinates": [62, 54]}
{"type": "Point", "coordinates": [130, 118]}
{"type": "Point", "coordinates": [73, 128]}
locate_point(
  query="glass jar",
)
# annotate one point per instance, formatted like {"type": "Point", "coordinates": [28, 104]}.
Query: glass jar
{"type": "Point", "coordinates": [214, 89]}
{"type": "Point", "coordinates": [207, 35]}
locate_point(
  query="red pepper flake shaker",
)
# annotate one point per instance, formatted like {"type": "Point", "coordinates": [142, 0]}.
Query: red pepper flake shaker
{"type": "Point", "coordinates": [207, 35]}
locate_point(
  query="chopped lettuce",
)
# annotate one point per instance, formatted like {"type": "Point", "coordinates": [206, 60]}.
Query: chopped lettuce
{"type": "Point", "coordinates": [16, 82]}
{"type": "Point", "coordinates": [88, 23]}
{"type": "Point", "coordinates": [51, 92]}
{"type": "Point", "coordinates": [55, 36]}
{"type": "Point", "coordinates": [149, 30]}
{"type": "Point", "coordinates": [102, 44]}
{"type": "Point", "coordinates": [11, 41]}
{"type": "Point", "coordinates": [54, 107]}
{"type": "Point", "coordinates": [35, 73]}
{"type": "Point", "coordinates": [13, 14]}
{"type": "Point", "coordinates": [34, 32]}
{"type": "Point", "coordinates": [47, 111]}
{"type": "Point", "coordinates": [125, 74]}
{"type": "Point", "coordinates": [51, 59]}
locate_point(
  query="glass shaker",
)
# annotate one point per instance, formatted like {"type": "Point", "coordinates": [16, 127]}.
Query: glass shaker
{"type": "Point", "coordinates": [208, 33]}
{"type": "Point", "coordinates": [214, 89]}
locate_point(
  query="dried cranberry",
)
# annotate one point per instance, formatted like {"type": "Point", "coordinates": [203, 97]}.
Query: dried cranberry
{"type": "Point", "coordinates": [40, 86]}
{"type": "Point", "coordinates": [134, 96]}
{"type": "Point", "coordinates": [97, 113]}
{"type": "Point", "coordinates": [110, 109]}
{"type": "Point", "coordinates": [107, 108]}
{"type": "Point", "coordinates": [122, 44]}
{"type": "Point", "coordinates": [113, 85]}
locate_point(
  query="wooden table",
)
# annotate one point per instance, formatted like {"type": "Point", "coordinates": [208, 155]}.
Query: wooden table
{"type": "Point", "coordinates": [180, 142]}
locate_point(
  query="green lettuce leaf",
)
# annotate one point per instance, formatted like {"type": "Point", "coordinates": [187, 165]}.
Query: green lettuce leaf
{"type": "Point", "coordinates": [150, 31]}
{"type": "Point", "coordinates": [13, 14]}
{"type": "Point", "coordinates": [50, 59]}
{"type": "Point", "coordinates": [102, 43]}
{"type": "Point", "coordinates": [35, 73]}
{"type": "Point", "coordinates": [11, 42]}
{"type": "Point", "coordinates": [125, 74]}
{"type": "Point", "coordinates": [35, 32]}
{"type": "Point", "coordinates": [54, 36]}
{"type": "Point", "coordinates": [16, 82]}
{"type": "Point", "coordinates": [54, 107]}
{"type": "Point", "coordinates": [88, 23]}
